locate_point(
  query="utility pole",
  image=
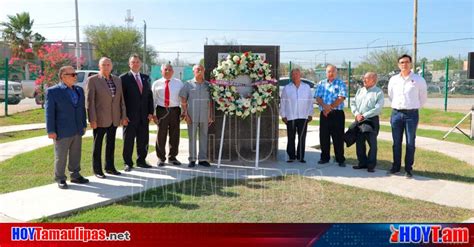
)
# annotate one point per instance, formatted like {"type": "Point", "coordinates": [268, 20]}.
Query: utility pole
{"type": "Point", "coordinates": [144, 47]}
{"type": "Point", "coordinates": [78, 52]}
{"type": "Point", "coordinates": [415, 21]}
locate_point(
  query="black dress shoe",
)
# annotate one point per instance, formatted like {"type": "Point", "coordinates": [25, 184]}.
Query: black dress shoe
{"type": "Point", "coordinates": [192, 164]}
{"type": "Point", "coordinates": [341, 164]}
{"type": "Point", "coordinates": [174, 162]}
{"type": "Point", "coordinates": [145, 165]}
{"type": "Point", "coordinates": [370, 169]}
{"type": "Point", "coordinates": [321, 162]}
{"type": "Point", "coordinates": [100, 175]}
{"type": "Point", "coordinates": [204, 163]}
{"type": "Point", "coordinates": [392, 172]}
{"type": "Point", "coordinates": [160, 163]}
{"type": "Point", "coordinates": [62, 185]}
{"type": "Point", "coordinates": [357, 167]}
{"type": "Point", "coordinates": [408, 174]}
{"type": "Point", "coordinates": [302, 161]}
{"type": "Point", "coordinates": [127, 168]}
{"type": "Point", "coordinates": [113, 172]}
{"type": "Point", "coordinates": [290, 161]}
{"type": "Point", "coordinates": [80, 180]}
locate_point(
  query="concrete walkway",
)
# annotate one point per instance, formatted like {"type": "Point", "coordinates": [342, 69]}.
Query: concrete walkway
{"type": "Point", "coordinates": [23, 205]}
{"type": "Point", "coordinates": [22, 127]}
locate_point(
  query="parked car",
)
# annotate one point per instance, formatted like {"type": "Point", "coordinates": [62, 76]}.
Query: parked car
{"type": "Point", "coordinates": [285, 80]}
{"type": "Point", "coordinates": [29, 87]}
{"type": "Point", "coordinates": [81, 80]}
{"type": "Point", "coordinates": [15, 93]}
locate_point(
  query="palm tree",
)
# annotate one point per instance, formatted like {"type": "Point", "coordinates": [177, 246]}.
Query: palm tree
{"type": "Point", "coordinates": [18, 35]}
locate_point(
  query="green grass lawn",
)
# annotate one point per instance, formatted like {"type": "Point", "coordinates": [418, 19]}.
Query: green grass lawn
{"type": "Point", "coordinates": [27, 117]}
{"type": "Point", "coordinates": [282, 199]}
{"type": "Point", "coordinates": [36, 168]}
{"type": "Point", "coordinates": [427, 116]}
{"type": "Point", "coordinates": [435, 134]}
{"type": "Point", "coordinates": [427, 163]}
{"type": "Point", "coordinates": [18, 135]}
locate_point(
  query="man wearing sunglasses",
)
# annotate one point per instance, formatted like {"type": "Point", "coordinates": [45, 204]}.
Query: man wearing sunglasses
{"type": "Point", "coordinates": [139, 104]}
{"type": "Point", "coordinates": [66, 124]}
{"type": "Point", "coordinates": [166, 100]}
{"type": "Point", "coordinates": [106, 110]}
{"type": "Point", "coordinates": [407, 92]}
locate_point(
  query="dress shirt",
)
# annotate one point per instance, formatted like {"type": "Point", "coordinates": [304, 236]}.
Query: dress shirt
{"type": "Point", "coordinates": [368, 102]}
{"type": "Point", "coordinates": [296, 102]}
{"type": "Point", "coordinates": [407, 93]}
{"type": "Point", "coordinates": [158, 89]}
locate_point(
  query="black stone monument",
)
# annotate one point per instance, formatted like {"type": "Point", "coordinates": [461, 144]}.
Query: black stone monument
{"type": "Point", "coordinates": [240, 134]}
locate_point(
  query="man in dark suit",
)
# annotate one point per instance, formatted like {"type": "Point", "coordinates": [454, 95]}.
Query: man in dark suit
{"type": "Point", "coordinates": [139, 104]}
{"type": "Point", "coordinates": [66, 124]}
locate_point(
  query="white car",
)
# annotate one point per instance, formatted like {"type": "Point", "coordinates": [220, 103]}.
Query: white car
{"type": "Point", "coordinates": [15, 93]}
{"type": "Point", "coordinates": [285, 80]}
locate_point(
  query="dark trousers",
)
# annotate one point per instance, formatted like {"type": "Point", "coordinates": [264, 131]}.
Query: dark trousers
{"type": "Point", "coordinates": [332, 126]}
{"type": "Point", "coordinates": [140, 132]}
{"type": "Point", "coordinates": [168, 124]}
{"type": "Point", "coordinates": [292, 127]}
{"type": "Point", "coordinates": [99, 134]}
{"type": "Point", "coordinates": [404, 121]}
{"type": "Point", "coordinates": [370, 160]}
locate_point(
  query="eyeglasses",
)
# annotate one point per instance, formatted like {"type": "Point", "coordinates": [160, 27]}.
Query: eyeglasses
{"type": "Point", "coordinates": [71, 74]}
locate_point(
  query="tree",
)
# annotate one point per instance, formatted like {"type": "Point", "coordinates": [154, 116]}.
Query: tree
{"type": "Point", "coordinates": [381, 61]}
{"type": "Point", "coordinates": [18, 34]}
{"type": "Point", "coordinates": [53, 60]}
{"type": "Point", "coordinates": [118, 43]}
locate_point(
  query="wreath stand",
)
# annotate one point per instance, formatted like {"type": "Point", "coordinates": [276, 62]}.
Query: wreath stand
{"type": "Point", "coordinates": [257, 148]}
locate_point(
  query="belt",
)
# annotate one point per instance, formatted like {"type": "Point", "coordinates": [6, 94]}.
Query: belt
{"type": "Point", "coordinates": [173, 107]}
{"type": "Point", "coordinates": [405, 110]}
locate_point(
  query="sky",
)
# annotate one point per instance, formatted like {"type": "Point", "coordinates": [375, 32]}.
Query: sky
{"type": "Point", "coordinates": [307, 31]}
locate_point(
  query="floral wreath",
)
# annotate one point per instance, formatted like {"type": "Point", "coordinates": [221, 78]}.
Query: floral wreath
{"type": "Point", "coordinates": [224, 90]}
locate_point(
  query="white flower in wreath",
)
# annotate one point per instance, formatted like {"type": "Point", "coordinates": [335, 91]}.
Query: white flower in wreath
{"type": "Point", "coordinates": [220, 76]}
{"type": "Point", "coordinates": [232, 107]}
{"type": "Point", "coordinates": [247, 103]}
{"type": "Point", "coordinates": [236, 58]}
{"type": "Point", "coordinates": [268, 77]}
{"type": "Point", "coordinates": [259, 108]}
{"type": "Point", "coordinates": [238, 113]}
{"type": "Point", "coordinates": [254, 110]}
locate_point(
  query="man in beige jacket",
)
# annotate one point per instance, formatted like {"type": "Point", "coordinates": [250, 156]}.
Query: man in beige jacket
{"type": "Point", "coordinates": [106, 111]}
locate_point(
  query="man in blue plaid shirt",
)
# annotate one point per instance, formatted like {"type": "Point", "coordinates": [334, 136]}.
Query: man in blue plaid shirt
{"type": "Point", "coordinates": [330, 96]}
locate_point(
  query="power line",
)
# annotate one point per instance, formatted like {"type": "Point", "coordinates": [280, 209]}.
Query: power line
{"type": "Point", "coordinates": [343, 49]}
{"type": "Point", "coordinates": [284, 31]}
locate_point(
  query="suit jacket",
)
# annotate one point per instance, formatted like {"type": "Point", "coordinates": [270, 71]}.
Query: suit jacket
{"type": "Point", "coordinates": [62, 117]}
{"type": "Point", "coordinates": [138, 105]}
{"type": "Point", "coordinates": [101, 106]}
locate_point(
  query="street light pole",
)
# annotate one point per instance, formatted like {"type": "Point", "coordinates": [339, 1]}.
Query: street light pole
{"type": "Point", "coordinates": [371, 42]}
{"type": "Point", "coordinates": [415, 22]}
{"type": "Point", "coordinates": [78, 62]}
{"type": "Point", "coordinates": [144, 47]}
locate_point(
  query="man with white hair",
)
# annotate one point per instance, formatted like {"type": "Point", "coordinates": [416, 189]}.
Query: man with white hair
{"type": "Point", "coordinates": [366, 107]}
{"type": "Point", "coordinates": [168, 114]}
{"type": "Point", "coordinates": [106, 111]}
{"type": "Point", "coordinates": [330, 96]}
{"type": "Point", "coordinates": [196, 106]}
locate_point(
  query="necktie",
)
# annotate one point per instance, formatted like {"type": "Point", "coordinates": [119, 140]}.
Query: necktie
{"type": "Point", "coordinates": [167, 93]}
{"type": "Point", "coordinates": [139, 83]}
